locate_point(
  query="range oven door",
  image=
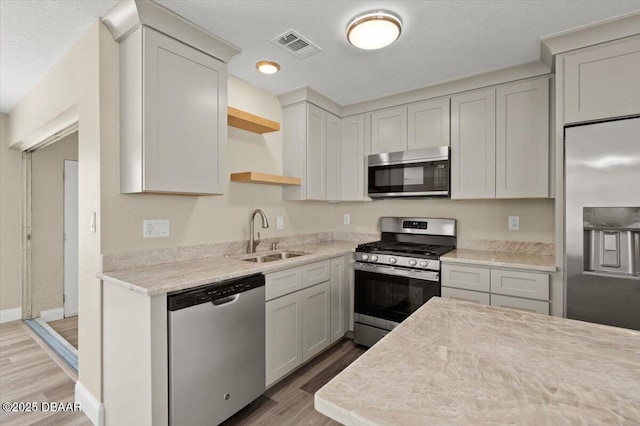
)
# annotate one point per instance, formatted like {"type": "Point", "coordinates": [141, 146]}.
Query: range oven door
{"type": "Point", "coordinates": [385, 296]}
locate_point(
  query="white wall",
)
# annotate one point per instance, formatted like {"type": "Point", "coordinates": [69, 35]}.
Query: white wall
{"type": "Point", "coordinates": [10, 221]}
{"type": "Point", "coordinates": [47, 223]}
{"type": "Point", "coordinates": [477, 219]}
{"type": "Point", "coordinates": [74, 82]}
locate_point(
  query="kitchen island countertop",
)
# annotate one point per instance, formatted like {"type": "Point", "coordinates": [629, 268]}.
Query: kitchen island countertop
{"type": "Point", "coordinates": [454, 362]}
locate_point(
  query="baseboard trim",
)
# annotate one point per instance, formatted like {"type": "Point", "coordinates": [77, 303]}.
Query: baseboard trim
{"type": "Point", "coordinates": [90, 406]}
{"type": "Point", "coordinates": [7, 315]}
{"type": "Point", "coordinates": [52, 314]}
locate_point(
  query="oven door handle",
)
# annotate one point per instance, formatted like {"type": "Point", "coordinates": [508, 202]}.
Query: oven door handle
{"type": "Point", "coordinates": [390, 270]}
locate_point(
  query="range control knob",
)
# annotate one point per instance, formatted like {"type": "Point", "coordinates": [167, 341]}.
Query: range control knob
{"type": "Point", "coordinates": [413, 262]}
{"type": "Point", "coordinates": [393, 260]}
{"type": "Point", "coordinates": [365, 257]}
{"type": "Point", "coordinates": [374, 258]}
{"type": "Point", "coordinates": [423, 263]}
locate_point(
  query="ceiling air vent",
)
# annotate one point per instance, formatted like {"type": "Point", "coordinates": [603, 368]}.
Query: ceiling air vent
{"type": "Point", "coordinates": [296, 44]}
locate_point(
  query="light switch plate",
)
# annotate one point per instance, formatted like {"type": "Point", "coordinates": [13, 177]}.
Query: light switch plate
{"type": "Point", "coordinates": [514, 223]}
{"type": "Point", "coordinates": [155, 228]}
{"type": "Point", "coordinates": [279, 222]}
{"type": "Point", "coordinates": [347, 219]}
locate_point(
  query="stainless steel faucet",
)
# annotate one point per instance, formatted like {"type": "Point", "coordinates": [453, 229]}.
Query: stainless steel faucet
{"type": "Point", "coordinates": [265, 224]}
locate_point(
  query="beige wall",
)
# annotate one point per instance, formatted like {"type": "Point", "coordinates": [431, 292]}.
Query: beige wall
{"type": "Point", "coordinates": [75, 81]}
{"type": "Point", "coordinates": [207, 219]}
{"type": "Point", "coordinates": [10, 221]}
{"type": "Point", "coordinates": [477, 219]}
{"type": "Point", "coordinates": [47, 223]}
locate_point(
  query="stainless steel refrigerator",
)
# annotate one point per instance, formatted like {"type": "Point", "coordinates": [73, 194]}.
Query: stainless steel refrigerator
{"type": "Point", "coordinates": [602, 223]}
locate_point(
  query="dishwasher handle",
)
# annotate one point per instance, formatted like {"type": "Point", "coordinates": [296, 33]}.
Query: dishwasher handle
{"type": "Point", "coordinates": [226, 300]}
{"type": "Point", "coordinates": [218, 293]}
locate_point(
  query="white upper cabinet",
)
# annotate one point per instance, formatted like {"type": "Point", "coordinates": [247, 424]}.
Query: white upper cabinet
{"type": "Point", "coordinates": [602, 82]}
{"type": "Point", "coordinates": [522, 140]}
{"type": "Point", "coordinates": [173, 117]}
{"type": "Point", "coordinates": [428, 124]}
{"type": "Point", "coordinates": [500, 142]}
{"type": "Point", "coordinates": [334, 158]}
{"type": "Point", "coordinates": [306, 129]}
{"type": "Point", "coordinates": [316, 153]}
{"type": "Point", "coordinates": [473, 145]}
{"type": "Point", "coordinates": [389, 130]}
{"type": "Point", "coordinates": [353, 165]}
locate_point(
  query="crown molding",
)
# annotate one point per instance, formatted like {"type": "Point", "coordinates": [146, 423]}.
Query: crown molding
{"type": "Point", "coordinates": [128, 15]}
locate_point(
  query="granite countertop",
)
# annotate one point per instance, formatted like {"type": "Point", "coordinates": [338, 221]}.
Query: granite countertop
{"type": "Point", "coordinates": [455, 362]}
{"type": "Point", "coordinates": [168, 277]}
{"type": "Point", "coordinates": [532, 262]}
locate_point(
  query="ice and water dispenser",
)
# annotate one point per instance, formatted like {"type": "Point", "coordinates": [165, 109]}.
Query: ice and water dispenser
{"type": "Point", "coordinates": [612, 240]}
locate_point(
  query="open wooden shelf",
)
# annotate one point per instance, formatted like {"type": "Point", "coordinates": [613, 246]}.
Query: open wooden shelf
{"type": "Point", "coordinates": [250, 122]}
{"type": "Point", "coordinates": [254, 177]}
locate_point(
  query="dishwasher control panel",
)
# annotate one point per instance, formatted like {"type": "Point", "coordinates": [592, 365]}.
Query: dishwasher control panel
{"type": "Point", "coordinates": [213, 292]}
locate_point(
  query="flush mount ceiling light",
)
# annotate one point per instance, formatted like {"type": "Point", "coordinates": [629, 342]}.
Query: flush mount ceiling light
{"type": "Point", "coordinates": [268, 67]}
{"type": "Point", "coordinates": [374, 30]}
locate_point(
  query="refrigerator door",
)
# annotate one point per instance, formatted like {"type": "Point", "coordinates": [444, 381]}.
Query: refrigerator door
{"type": "Point", "coordinates": [602, 169]}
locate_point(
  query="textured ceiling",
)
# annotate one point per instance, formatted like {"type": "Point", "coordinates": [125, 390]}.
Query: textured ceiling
{"type": "Point", "coordinates": [34, 35]}
{"type": "Point", "coordinates": [441, 40]}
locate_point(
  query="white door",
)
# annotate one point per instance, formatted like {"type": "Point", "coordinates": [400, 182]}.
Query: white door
{"type": "Point", "coordinates": [70, 238]}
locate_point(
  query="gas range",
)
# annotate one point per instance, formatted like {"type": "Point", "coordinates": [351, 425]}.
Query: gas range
{"type": "Point", "coordinates": [415, 243]}
{"type": "Point", "coordinates": [399, 273]}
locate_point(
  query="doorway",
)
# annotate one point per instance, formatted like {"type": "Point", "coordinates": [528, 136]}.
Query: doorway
{"type": "Point", "coordinates": [51, 218]}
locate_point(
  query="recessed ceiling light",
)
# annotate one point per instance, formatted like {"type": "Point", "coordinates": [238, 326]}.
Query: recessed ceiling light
{"type": "Point", "coordinates": [268, 67]}
{"type": "Point", "coordinates": [374, 30]}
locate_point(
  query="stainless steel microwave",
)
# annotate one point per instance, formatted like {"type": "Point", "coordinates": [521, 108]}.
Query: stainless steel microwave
{"type": "Point", "coordinates": [416, 173]}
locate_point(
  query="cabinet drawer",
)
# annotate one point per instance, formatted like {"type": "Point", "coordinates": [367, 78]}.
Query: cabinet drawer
{"type": "Point", "coordinates": [520, 284]}
{"type": "Point", "coordinates": [316, 273]}
{"type": "Point", "coordinates": [466, 295]}
{"type": "Point", "coordinates": [283, 282]}
{"type": "Point", "coordinates": [466, 277]}
{"type": "Point", "coordinates": [520, 304]}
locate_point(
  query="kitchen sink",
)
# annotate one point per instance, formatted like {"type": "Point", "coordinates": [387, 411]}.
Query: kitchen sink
{"type": "Point", "coordinates": [272, 257]}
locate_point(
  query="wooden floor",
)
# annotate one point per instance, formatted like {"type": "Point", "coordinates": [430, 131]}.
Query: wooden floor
{"type": "Point", "coordinates": [67, 328]}
{"type": "Point", "coordinates": [290, 402]}
{"type": "Point", "coordinates": [28, 374]}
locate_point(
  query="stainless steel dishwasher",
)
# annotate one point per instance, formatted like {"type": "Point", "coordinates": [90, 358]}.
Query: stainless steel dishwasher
{"type": "Point", "coordinates": [216, 350]}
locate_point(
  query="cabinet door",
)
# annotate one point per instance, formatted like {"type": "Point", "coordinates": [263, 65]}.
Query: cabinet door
{"type": "Point", "coordinates": [520, 304]}
{"type": "Point", "coordinates": [466, 295]}
{"type": "Point", "coordinates": [185, 118]}
{"type": "Point", "coordinates": [334, 158]}
{"type": "Point", "coordinates": [466, 277]}
{"type": "Point", "coordinates": [519, 283]}
{"type": "Point", "coordinates": [389, 130]}
{"type": "Point", "coordinates": [353, 164]}
{"type": "Point", "coordinates": [473, 145]}
{"type": "Point", "coordinates": [316, 310]}
{"type": "Point", "coordinates": [316, 153]}
{"type": "Point", "coordinates": [602, 82]}
{"type": "Point", "coordinates": [279, 283]}
{"type": "Point", "coordinates": [283, 319]}
{"type": "Point", "coordinates": [428, 124]}
{"type": "Point", "coordinates": [339, 297]}
{"type": "Point", "coordinates": [522, 140]}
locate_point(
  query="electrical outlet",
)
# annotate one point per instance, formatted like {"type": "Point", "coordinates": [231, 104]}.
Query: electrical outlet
{"type": "Point", "coordinates": [346, 219]}
{"type": "Point", "coordinates": [514, 223]}
{"type": "Point", "coordinates": [155, 228]}
{"type": "Point", "coordinates": [280, 222]}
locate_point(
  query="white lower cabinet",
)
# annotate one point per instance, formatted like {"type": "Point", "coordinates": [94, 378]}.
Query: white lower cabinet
{"type": "Point", "coordinates": [316, 312]}
{"type": "Point", "coordinates": [283, 335]}
{"type": "Point", "coordinates": [306, 311]}
{"type": "Point", "coordinates": [523, 290]}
